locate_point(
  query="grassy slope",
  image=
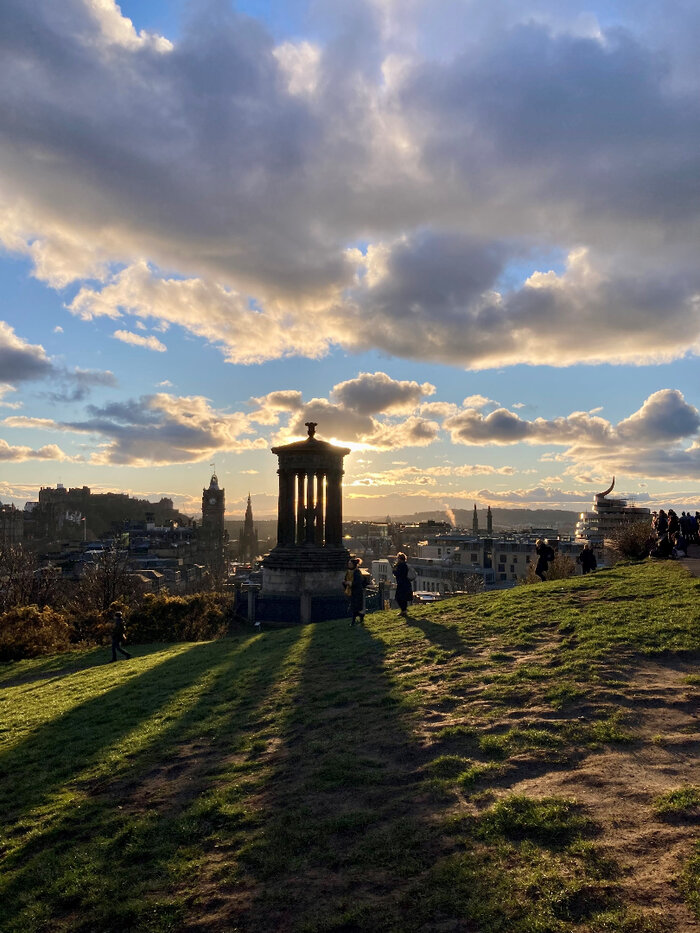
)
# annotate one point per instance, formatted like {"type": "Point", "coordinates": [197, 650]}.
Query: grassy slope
{"type": "Point", "coordinates": [330, 778]}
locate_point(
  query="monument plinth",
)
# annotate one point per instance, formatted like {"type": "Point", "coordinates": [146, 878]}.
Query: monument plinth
{"type": "Point", "coordinates": [309, 561]}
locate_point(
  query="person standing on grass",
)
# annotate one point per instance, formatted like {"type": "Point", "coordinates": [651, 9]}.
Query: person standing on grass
{"type": "Point", "coordinates": [357, 590]}
{"type": "Point", "coordinates": [404, 590]}
{"type": "Point", "coordinates": [118, 636]}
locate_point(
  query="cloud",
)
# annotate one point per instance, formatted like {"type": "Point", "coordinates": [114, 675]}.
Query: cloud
{"type": "Point", "coordinates": [78, 384]}
{"type": "Point", "coordinates": [8, 453]}
{"type": "Point", "coordinates": [664, 417]}
{"type": "Point", "coordinates": [425, 476]}
{"type": "Point", "coordinates": [21, 361]}
{"type": "Point", "coordinates": [504, 427]}
{"type": "Point", "coordinates": [370, 393]}
{"type": "Point", "coordinates": [148, 343]}
{"type": "Point", "coordinates": [155, 429]}
{"type": "Point", "coordinates": [223, 182]}
{"type": "Point", "coordinates": [272, 405]}
{"type": "Point", "coordinates": [535, 497]}
{"type": "Point", "coordinates": [6, 390]}
{"type": "Point", "coordinates": [660, 440]}
{"type": "Point", "coordinates": [479, 401]}
{"type": "Point", "coordinates": [413, 432]}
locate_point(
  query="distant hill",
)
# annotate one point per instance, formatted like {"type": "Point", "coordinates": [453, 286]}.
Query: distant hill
{"type": "Point", "coordinates": [503, 519]}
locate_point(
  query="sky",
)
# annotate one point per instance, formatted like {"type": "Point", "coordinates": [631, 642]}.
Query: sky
{"type": "Point", "coordinates": [462, 237]}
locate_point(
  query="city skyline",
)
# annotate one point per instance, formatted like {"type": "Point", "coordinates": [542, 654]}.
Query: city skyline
{"type": "Point", "coordinates": [462, 240]}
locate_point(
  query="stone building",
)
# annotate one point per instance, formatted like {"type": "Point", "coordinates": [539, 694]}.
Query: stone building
{"type": "Point", "coordinates": [11, 525]}
{"type": "Point", "coordinates": [212, 534]}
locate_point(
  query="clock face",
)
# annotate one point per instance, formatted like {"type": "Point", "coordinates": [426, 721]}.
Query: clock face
{"type": "Point", "coordinates": [212, 500]}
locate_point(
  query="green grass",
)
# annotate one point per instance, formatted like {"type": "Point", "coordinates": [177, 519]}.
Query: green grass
{"type": "Point", "coordinates": [682, 803]}
{"type": "Point", "coordinates": [333, 778]}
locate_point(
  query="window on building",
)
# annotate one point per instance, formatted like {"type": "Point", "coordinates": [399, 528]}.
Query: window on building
{"type": "Point", "coordinates": [501, 569]}
{"type": "Point", "coordinates": [512, 568]}
{"type": "Point", "coordinates": [475, 558]}
{"type": "Point", "coordinates": [502, 576]}
{"type": "Point", "coordinates": [503, 558]}
{"type": "Point", "coordinates": [515, 558]}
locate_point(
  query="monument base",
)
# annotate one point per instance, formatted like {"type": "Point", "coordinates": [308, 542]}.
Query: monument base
{"type": "Point", "coordinates": [303, 584]}
{"type": "Point", "coordinates": [300, 610]}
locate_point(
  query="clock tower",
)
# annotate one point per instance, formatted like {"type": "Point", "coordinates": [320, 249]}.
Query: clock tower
{"type": "Point", "coordinates": [213, 531]}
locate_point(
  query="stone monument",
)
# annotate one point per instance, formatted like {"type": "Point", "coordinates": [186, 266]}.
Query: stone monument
{"type": "Point", "coordinates": [303, 574]}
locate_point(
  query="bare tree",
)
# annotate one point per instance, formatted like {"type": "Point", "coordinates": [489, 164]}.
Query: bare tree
{"type": "Point", "coordinates": [23, 582]}
{"type": "Point", "coordinates": [107, 580]}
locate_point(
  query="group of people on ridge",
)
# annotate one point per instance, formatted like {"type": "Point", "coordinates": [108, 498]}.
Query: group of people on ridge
{"type": "Point", "coordinates": [673, 533]}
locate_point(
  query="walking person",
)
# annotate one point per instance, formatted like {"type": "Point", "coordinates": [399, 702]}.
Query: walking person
{"type": "Point", "coordinates": [118, 636]}
{"type": "Point", "coordinates": [357, 582]}
{"type": "Point", "coordinates": [404, 589]}
{"type": "Point", "coordinates": [587, 559]}
{"type": "Point", "coordinates": [545, 554]}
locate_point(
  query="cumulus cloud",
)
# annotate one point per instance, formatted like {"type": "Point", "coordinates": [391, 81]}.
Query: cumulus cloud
{"type": "Point", "coordinates": [659, 440]}
{"type": "Point", "coordinates": [19, 360]}
{"type": "Point", "coordinates": [504, 427]}
{"type": "Point", "coordinates": [370, 393]}
{"type": "Point", "coordinates": [223, 182]}
{"type": "Point", "coordinates": [136, 340]}
{"type": "Point", "coordinates": [155, 429]}
{"type": "Point", "coordinates": [20, 454]}
{"type": "Point", "coordinates": [272, 405]}
{"type": "Point", "coordinates": [664, 417]}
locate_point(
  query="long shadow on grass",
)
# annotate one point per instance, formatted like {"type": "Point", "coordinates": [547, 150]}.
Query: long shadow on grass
{"type": "Point", "coordinates": [51, 755]}
{"type": "Point", "coordinates": [84, 861]}
{"type": "Point", "coordinates": [446, 636]}
{"type": "Point", "coordinates": [347, 830]}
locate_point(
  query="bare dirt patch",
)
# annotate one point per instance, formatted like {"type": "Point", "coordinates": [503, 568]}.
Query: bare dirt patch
{"type": "Point", "coordinates": [619, 786]}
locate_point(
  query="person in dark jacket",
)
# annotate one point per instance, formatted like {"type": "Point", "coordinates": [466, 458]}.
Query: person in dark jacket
{"type": "Point", "coordinates": [545, 554]}
{"type": "Point", "coordinates": [404, 589]}
{"type": "Point", "coordinates": [587, 559]}
{"type": "Point", "coordinates": [118, 636]}
{"type": "Point", "coordinates": [358, 582]}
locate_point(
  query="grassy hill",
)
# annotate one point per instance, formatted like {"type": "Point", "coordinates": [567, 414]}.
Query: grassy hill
{"type": "Point", "coordinates": [518, 761]}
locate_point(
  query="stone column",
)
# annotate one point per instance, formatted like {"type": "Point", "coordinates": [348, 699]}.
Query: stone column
{"type": "Point", "coordinates": [285, 509]}
{"type": "Point", "coordinates": [301, 503]}
{"type": "Point", "coordinates": [320, 507]}
{"type": "Point", "coordinates": [334, 509]}
{"type": "Point", "coordinates": [310, 514]}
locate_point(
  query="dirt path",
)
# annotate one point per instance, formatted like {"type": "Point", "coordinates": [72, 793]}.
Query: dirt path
{"type": "Point", "coordinates": [620, 784]}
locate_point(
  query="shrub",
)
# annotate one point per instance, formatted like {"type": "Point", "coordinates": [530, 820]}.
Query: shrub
{"type": "Point", "coordinates": [631, 541]}
{"type": "Point", "coordinates": [27, 632]}
{"type": "Point", "coordinates": [180, 618]}
{"type": "Point", "coordinates": [561, 568]}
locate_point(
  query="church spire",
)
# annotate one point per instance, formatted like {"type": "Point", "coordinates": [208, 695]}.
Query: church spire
{"type": "Point", "coordinates": [475, 521]}
{"type": "Point", "coordinates": [248, 538]}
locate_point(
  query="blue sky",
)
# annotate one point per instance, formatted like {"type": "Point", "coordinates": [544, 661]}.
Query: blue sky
{"type": "Point", "coordinates": [461, 237]}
